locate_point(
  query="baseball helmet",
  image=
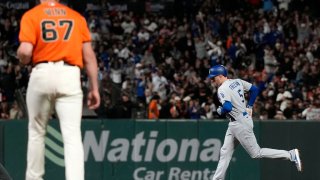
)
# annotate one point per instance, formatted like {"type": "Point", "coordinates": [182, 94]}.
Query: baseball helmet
{"type": "Point", "coordinates": [217, 70]}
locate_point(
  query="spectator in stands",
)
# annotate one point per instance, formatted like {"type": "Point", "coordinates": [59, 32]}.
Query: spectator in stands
{"type": "Point", "coordinates": [128, 25]}
{"type": "Point", "coordinates": [206, 111]}
{"type": "Point", "coordinates": [4, 110]}
{"type": "Point", "coordinates": [159, 83]}
{"type": "Point", "coordinates": [270, 62]}
{"type": "Point", "coordinates": [313, 111]}
{"type": "Point", "coordinates": [194, 109]}
{"type": "Point", "coordinates": [154, 107]}
{"type": "Point", "coordinates": [3, 58]}
{"type": "Point", "coordinates": [283, 4]}
{"type": "Point", "coordinates": [200, 47]}
{"type": "Point", "coordinates": [279, 116]}
{"type": "Point", "coordinates": [275, 47]}
{"type": "Point", "coordinates": [15, 112]}
{"type": "Point", "coordinates": [176, 107]}
{"type": "Point", "coordinates": [123, 109]}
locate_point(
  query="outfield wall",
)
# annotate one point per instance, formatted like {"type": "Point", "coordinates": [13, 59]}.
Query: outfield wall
{"type": "Point", "coordinates": [165, 150]}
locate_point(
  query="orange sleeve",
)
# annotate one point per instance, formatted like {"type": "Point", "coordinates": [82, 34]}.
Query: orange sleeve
{"type": "Point", "coordinates": [153, 105]}
{"type": "Point", "coordinates": [27, 30]}
{"type": "Point", "coordinates": [153, 110]}
{"type": "Point", "coordinates": [157, 113]}
{"type": "Point", "coordinates": [229, 42]}
{"type": "Point", "coordinates": [86, 36]}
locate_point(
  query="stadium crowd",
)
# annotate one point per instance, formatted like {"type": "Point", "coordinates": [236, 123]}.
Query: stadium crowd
{"type": "Point", "coordinates": [155, 66]}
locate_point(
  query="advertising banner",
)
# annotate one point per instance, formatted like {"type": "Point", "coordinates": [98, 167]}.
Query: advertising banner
{"type": "Point", "coordinates": [134, 150]}
{"type": "Point", "coordinates": [17, 4]}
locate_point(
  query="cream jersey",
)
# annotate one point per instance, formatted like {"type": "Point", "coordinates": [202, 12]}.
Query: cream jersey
{"type": "Point", "coordinates": [233, 90]}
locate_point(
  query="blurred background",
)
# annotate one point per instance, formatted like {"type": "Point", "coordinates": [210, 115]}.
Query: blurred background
{"type": "Point", "coordinates": [162, 50]}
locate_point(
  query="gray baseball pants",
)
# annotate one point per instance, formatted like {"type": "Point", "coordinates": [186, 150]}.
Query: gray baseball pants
{"type": "Point", "coordinates": [241, 131]}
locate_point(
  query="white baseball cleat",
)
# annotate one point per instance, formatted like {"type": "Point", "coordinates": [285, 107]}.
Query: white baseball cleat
{"type": "Point", "coordinates": [297, 159]}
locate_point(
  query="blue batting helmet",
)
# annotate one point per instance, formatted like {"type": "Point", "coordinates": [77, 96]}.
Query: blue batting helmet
{"type": "Point", "coordinates": [216, 71]}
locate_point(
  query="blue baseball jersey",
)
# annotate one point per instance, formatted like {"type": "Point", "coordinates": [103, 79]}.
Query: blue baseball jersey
{"type": "Point", "coordinates": [233, 91]}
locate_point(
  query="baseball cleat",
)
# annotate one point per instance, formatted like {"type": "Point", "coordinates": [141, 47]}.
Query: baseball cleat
{"type": "Point", "coordinates": [297, 160]}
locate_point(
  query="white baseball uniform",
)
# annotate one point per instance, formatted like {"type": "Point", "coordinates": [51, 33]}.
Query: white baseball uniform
{"type": "Point", "coordinates": [60, 42]}
{"type": "Point", "coordinates": [240, 129]}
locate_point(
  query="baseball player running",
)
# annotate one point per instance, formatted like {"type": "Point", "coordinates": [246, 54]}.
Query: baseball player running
{"type": "Point", "coordinates": [240, 129]}
{"type": "Point", "coordinates": [56, 40]}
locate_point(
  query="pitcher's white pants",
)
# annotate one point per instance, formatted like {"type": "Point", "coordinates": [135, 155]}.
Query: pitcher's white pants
{"type": "Point", "coordinates": [55, 85]}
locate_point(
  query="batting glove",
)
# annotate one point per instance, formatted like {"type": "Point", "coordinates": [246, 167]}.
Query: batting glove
{"type": "Point", "coordinates": [249, 110]}
{"type": "Point", "coordinates": [219, 110]}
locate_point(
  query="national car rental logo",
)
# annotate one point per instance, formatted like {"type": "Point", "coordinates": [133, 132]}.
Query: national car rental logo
{"type": "Point", "coordinates": [54, 146]}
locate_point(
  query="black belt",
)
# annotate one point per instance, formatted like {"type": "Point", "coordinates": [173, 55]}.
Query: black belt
{"type": "Point", "coordinates": [232, 119]}
{"type": "Point", "coordinates": [64, 63]}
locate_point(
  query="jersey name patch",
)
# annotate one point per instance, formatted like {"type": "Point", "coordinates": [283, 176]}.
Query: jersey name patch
{"type": "Point", "coordinates": [234, 85]}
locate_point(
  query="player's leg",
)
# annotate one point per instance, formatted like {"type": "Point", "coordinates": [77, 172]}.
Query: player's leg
{"type": "Point", "coordinates": [39, 110]}
{"type": "Point", "coordinates": [226, 152]}
{"type": "Point", "coordinates": [69, 110]}
{"type": "Point", "coordinates": [248, 140]}
{"type": "Point", "coordinates": [295, 157]}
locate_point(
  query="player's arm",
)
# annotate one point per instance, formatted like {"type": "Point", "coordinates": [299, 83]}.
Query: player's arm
{"type": "Point", "coordinates": [225, 108]}
{"type": "Point", "coordinates": [27, 38]}
{"type": "Point", "coordinates": [24, 52]}
{"type": "Point", "coordinates": [225, 100]}
{"type": "Point", "coordinates": [90, 63]}
{"type": "Point", "coordinates": [253, 93]}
